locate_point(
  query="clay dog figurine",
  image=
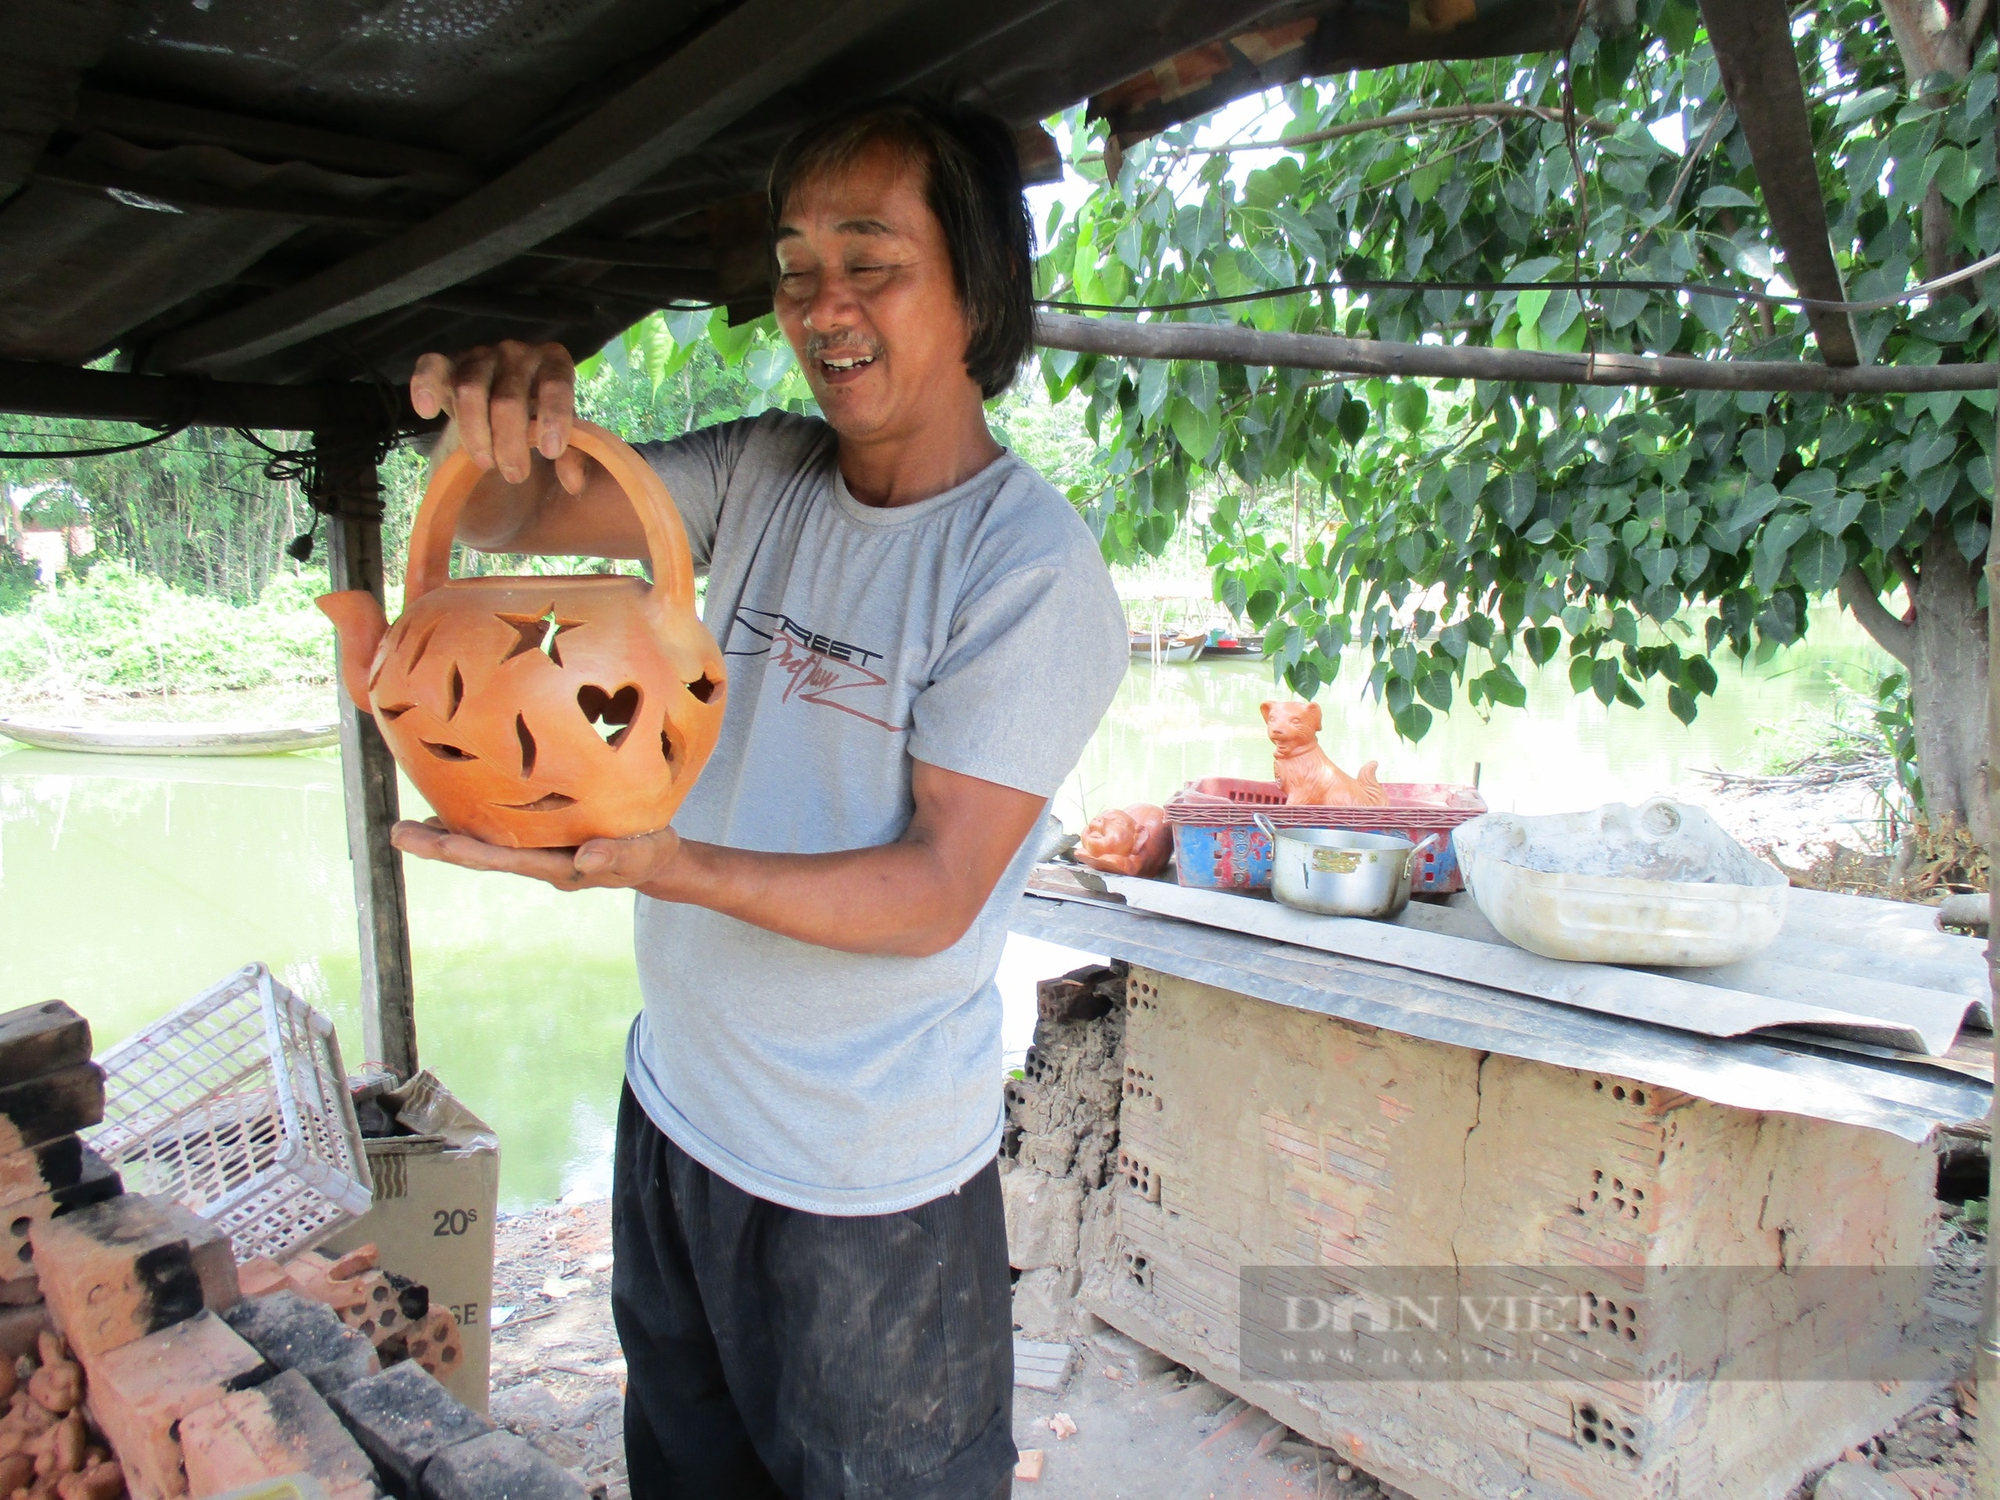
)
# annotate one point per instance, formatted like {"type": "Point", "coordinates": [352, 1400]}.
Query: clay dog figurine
{"type": "Point", "coordinates": [1306, 772]}
{"type": "Point", "coordinates": [1128, 841]}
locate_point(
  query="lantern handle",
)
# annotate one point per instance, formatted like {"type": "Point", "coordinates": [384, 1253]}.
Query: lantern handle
{"type": "Point", "coordinates": [666, 538]}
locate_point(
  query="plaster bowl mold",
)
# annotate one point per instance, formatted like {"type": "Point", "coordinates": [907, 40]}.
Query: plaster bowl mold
{"type": "Point", "coordinates": [1659, 885]}
{"type": "Point", "coordinates": [541, 712]}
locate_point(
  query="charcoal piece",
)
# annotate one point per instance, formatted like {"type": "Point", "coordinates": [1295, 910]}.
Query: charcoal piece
{"type": "Point", "coordinates": [38, 1039]}
{"type": "Point", "coordinates": [403, 1419]}
{"type": "Point", "coordinates": [498, 1466]}
{"type": "Point", "coordinates": [296, 1333]}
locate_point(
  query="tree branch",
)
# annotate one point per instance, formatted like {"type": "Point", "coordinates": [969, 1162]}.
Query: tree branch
{"type": "Point", "coordinates": [1443, 114]}
{"type": "Point", "coordinates": [1905, 570]}
{"type": "Point", "coordinates": [1897, 637]}
{"type": "Point", "coordinates": [1231, 343]}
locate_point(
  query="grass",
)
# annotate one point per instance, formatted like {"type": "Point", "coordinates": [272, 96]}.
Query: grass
{"type": "Point", "coordinates": [118, 633]}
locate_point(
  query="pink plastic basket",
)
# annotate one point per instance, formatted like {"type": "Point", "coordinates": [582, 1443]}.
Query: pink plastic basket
{"type": "Point", "coordinates": [1218, 847]}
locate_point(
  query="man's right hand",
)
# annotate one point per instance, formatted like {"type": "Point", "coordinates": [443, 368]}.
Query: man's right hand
{"type": "Point", "coordinates": [510, 401]}
{"type": "Point", "coordinates": [512, 407]}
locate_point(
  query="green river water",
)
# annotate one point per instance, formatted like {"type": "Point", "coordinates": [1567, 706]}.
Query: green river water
{"type": "Point", "coordinates": [128, 885]}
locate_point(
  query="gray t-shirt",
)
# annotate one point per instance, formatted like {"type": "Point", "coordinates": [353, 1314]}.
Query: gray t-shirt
{"type": "Point", "coordinates": [977, 631]}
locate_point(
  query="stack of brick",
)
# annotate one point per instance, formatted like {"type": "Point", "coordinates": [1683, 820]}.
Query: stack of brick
{"type": "Point", "coordinates": [1058, 1152]}
{"type": "Point", "coordinates": [132, 1361]}
{"type": "Point", "coordinates": [199, 1390]}
{"type": "Point", "coordinates": [132, 1286]}
{"type": "Point", "coordinates": [49, 1090]}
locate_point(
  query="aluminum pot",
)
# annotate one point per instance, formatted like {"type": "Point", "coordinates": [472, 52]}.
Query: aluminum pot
{"type": "Point", "coordinates": [1341, 872]}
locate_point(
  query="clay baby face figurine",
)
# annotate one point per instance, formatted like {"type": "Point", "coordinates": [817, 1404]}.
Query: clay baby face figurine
{"type": "Point", "coordinates": [1128, 841]}
{"type": "Point", "coordinates": [1306, 772]}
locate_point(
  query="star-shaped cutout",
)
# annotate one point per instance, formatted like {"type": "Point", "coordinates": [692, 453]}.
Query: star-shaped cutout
{"type": "Point", "coordinates": [539, 632]}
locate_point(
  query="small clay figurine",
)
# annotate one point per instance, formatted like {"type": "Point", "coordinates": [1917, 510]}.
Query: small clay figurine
{"type": "Point", "coordinates": [1306, 772]}
{"type": "Point", "coordinates": [1128, 841]}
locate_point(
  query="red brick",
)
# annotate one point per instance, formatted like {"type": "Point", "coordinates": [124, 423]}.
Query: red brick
{"type": "Point", "coordinates": [278, 1428]}
{"type": "Point", "coordinates": [61, 1103]}
{"type": "Point", "coordinates": [1077, 996]}
{"type": "Point", "coordinates": [353, 1286]}
{"type": "Point", "coordinates": [435, 1343]}
{"type": "Point", "coordinates": [140, 1392]}
{"type": "Point", "coordinates": [260, 1276]}
{"type": "Point", "coordinates": [127, 1267]}
{"type": "Point", "coordinates": [95, 1181]}
{"type": "Point", "coordinates": [40, 1169]}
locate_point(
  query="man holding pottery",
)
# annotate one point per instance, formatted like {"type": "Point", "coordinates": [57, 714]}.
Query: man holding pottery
{"type": "Point", "coordinates": [811, 1280]}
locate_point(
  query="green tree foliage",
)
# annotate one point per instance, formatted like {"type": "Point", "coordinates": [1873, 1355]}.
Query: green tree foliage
{"type": "Point", "coordinates": [195, 511]}
{"type": "Point", "coordinates": [1467, 526]}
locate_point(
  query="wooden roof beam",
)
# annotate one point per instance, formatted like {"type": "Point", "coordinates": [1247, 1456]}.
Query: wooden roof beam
{"type": "Point", "coordinates": [45, 390]}
{"type": "Point", "coordinates": [363, 214]}
{"type": "Point", "coordinates": [1760, 71]}
{"type": "Point", "coordinates": [743, 59]}
{"type": "Point", "coordinates": [270, 140]}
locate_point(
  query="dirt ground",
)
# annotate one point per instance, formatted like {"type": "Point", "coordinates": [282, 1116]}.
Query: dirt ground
{"type": "Point", "coordinates": [1144, 1428]}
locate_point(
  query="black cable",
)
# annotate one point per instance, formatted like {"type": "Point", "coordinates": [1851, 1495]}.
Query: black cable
{"type": "Point", "coordinates": [174, 431]}
{"type": "Point", "coordinates": [1702, 289]}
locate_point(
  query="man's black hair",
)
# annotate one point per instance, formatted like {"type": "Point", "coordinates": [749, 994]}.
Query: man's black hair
{"type": "Point", "coordinates": [973, 185]}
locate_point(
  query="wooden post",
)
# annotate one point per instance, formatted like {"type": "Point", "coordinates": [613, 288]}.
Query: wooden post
{"type": "Point", "coordinates": [1986, 1354]}
{"type": "Point", "coordinates": [347, 485]}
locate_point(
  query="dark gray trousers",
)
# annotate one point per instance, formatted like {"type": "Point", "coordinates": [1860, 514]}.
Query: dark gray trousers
{"type": "Point", "coordinates": [772, 1352]}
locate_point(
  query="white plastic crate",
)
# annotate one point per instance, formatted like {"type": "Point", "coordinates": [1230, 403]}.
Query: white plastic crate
{"type": "Point", "coordinates": [237, 1105]}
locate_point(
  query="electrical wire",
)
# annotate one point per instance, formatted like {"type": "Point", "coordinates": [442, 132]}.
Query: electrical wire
{"type": "Point", "coordinates": [1811, 304]}
{"type": "Point", "coordinates": [174, 431]}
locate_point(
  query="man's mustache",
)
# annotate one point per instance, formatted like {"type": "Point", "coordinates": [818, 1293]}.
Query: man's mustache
{"type": "Point", "coordinates": [821, 345]}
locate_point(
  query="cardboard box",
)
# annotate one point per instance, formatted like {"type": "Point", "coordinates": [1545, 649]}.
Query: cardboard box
{"type": "Point", "coordinates": [436, 1194]}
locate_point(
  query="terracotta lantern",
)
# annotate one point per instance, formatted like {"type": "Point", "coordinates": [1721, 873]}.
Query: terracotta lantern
{"type": "Point", "coordinates": [540, 712]}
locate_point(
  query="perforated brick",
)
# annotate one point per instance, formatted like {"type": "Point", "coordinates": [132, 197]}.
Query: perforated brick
{"type": "Point", "coordinates": [40, 1109]}
{"type": "Point", "coordinates": [281, 1427]}
{"type": "Point", "coordinates": [140, 1391]}
{"type": "Point", "coordinates": [95, 1181]}
{"type": "Point", "coordinates": [129, 1266]}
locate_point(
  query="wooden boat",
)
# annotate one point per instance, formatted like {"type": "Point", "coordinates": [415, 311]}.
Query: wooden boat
{"type": "Point", "coordinates": [1170, 645]}
{"type": "Point", "coordinates": [1223, 643]}
{"type": "Point", "coordinates": [140, 738]}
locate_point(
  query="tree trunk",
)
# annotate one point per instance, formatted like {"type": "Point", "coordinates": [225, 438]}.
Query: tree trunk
{"type": "Point", "coordinates": [1943, 648]}
{"type": "Point", "coordinates": [1947, 682]}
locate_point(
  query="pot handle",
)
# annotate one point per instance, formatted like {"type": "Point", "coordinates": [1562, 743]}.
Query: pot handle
{"type": "Point", "coordinates": [1428, 840]}
{"type": "Point", "coordinates": [1269, 828]}
{"type": "Point", "coordinates": [666, 539]}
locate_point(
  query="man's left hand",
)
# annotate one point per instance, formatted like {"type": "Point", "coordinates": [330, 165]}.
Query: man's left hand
{"type": "Point", "coordinates": [629, 863]}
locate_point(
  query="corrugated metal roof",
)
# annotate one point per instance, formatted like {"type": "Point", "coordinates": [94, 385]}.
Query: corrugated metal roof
{"type": "Point", "coordinates": [1904, 1095]}
{"type": "Point", "coordinates": [166, 165]}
